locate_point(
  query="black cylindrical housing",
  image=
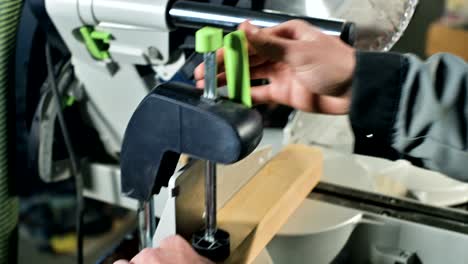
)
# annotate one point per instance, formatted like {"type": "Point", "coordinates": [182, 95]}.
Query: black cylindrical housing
{"type": "Point", "coordinates": [196, 15]}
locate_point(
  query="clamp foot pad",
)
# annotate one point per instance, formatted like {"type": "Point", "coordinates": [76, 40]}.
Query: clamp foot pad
{"type": "Point", "coordinates": [216, 250]}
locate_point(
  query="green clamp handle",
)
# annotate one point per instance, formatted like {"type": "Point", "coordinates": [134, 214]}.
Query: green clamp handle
{"type": "Point", "coordinates": [208, 39]}
{"type": "Point", "coordinates": [236, 60]}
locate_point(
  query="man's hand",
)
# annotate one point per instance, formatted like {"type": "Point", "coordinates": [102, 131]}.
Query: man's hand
{"type": "Point", "coordinates": [306, 69]}
{"type": "Point", "coordinates": [173, 250]}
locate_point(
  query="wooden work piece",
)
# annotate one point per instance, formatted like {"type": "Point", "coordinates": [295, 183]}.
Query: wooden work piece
{"type": "Point", "coordinates": [253, 208]}
{"type": "Point", "coordinates": [258, 211]}
{"type": "Point", "coordinates": [190, 202]}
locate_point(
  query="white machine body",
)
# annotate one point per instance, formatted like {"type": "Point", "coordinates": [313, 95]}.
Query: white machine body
{"type": "Point", "coordinates": [140, 36]}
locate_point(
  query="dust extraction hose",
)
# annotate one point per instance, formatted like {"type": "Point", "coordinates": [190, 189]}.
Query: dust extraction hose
{"type": "Point", "coordinates": [10, 11]}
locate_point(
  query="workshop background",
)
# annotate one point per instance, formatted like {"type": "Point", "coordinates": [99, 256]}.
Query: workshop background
{"type": "Point", "coordinates": [45, 231]}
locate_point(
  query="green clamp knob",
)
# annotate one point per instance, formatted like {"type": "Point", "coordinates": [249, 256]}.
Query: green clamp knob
{"type": "Point", "coordinates": [208, 39]}
{"type": "Point", "coordinates": [236, 60]}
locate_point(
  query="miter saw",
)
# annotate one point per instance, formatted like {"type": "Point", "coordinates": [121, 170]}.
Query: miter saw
{"type": "Point", "coordinates": [103, 58]}
{"type": "Point", "coordinates": [110, 54]}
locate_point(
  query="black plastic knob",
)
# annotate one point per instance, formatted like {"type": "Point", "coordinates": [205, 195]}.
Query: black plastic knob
{"type": "Point", "coordinates": [216, 249]}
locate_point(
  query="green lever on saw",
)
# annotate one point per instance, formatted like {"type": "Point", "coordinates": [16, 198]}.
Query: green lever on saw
{"type": "Point", "coordinates": [236, 60]}
{"type": "Point", "coordinates": [97, 42]}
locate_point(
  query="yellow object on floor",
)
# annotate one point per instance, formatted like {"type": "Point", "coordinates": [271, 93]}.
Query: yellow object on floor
{"type": "Point", "coordinates": [64, 244]}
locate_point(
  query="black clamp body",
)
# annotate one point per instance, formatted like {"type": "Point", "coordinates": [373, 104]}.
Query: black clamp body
{"type": "Point", "coordinates": [174, 119]}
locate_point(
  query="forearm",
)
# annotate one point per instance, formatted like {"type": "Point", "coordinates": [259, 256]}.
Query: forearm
{"type": "Point", "coordinates": [405, 108]}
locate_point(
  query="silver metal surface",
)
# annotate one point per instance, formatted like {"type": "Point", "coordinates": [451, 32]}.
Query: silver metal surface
{"type": "Point", "coordinates": [193, 14]}
{"type": "Point", "coordinates": [146, 223]}
{"type": "Point", "coordinates": [380, 23]}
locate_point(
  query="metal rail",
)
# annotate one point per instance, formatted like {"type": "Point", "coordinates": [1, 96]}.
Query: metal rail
{"type": "Point", "coordinates": [405, 209]}
{"type": "Point", "coordinates": [197, 15]}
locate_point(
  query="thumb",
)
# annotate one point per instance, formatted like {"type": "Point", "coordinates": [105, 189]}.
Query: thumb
{"type": "Point", "coordinates": [265, 44]}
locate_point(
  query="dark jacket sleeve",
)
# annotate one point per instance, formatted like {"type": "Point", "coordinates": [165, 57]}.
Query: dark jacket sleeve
{"type": "Point", "coordinates": [403, 107]}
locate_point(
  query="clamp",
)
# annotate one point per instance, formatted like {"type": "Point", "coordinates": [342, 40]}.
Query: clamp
{"type": "Point", "coordinates": [177, 119]}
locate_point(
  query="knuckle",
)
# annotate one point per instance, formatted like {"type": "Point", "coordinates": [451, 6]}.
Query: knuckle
{"type": "Point", "coordinates": [146, 251]}
{"type": "Point", "coordinates": [299, 23]}
{"type": "Point", "coordinates": [179, 241]}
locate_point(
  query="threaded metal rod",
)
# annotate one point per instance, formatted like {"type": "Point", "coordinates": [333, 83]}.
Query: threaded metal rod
{"type": "Point", "coordinates": [210, 76]}
{"type": "Point", "coordinates": [210, 167]}
{"type": "Point", "coordinates": [210, 200]}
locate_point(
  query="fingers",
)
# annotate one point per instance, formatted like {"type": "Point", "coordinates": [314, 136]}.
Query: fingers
{"type": "Point", "coordinates": [121, 262]}
{"type": "Point", "coordinates": [263, 71]}
{"type": "Point", "coordinates": [275, 43]}
{"type": "Point", "coordinates": [200, 84]}
{"type": "Point", "coordinates": [199, 72]}
{"type": "Point", "coordinates": [295, 30]}
{"type": "Point", "coordinates": [200, 69]}
{"type": "Point", "coordinates": [259, 72]}
{"type": "Point", "coordinates": [175, 241]}
{"type": "Point", "coordinates": [256, 72]}
{"type": "Point", "coordinates": [173, 250]}
{"type": "Point", "coordinates": [221, 81]}
{"type": "Point", "coordinates": [268, 45]}
{"type": "Point", "coordinates": [254, 61]}
{"type": "Point", "coordinates": [261, 94]}
{"type": "Point", "coordinates": [182, 251]}
{"type": "Point", "coordinates": [147, 255]}
{"type": "Point", "coordinates": [330, 105]}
